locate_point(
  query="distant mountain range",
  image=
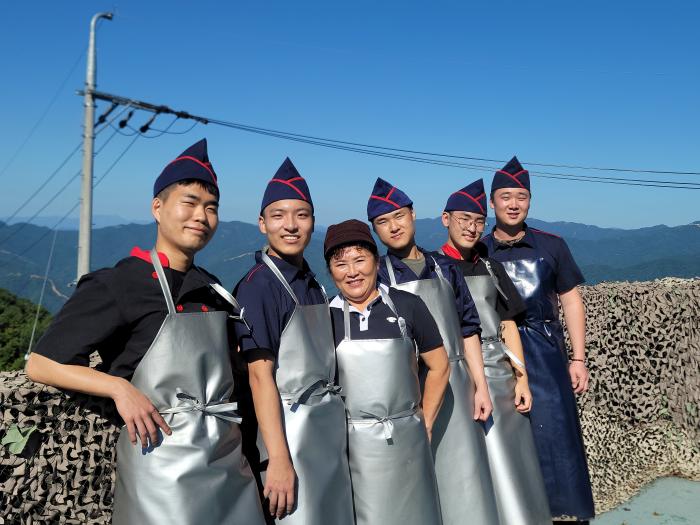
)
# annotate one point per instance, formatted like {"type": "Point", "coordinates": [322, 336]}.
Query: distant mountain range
{"type": "Point", "coordinates": [604, 254]}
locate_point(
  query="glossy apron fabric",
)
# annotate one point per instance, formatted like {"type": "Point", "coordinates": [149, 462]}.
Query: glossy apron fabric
{"type": "Point", "coordinates": [314, 415]}
{"type": "Point", "coordinates": [515, 469]}
{"type": "Point", "coordinates": [391, 464]}
{"type": "Point", "coordinates": [197, 475]}
{"type": "Point", "coordinates": [554, 414]}
{"type": "Point", "coordinates": [458, 444]}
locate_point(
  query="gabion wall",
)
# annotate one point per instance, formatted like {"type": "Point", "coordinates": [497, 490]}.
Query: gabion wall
{"type": "Point", "coordinates": [641, 417]}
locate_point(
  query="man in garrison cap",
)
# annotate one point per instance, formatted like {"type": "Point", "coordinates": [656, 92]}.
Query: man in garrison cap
{"type": "Point", "coordinates": [544, 272]}
{"type": "Point", "coordinates": [288, 344]}
{"type": "Point", "coordinates": [459, 448]}
{"type": "Point", "coordinates": [160, 326]}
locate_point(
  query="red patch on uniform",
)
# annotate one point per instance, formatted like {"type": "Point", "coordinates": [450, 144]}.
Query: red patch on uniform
{"type": "Point", "coordinates": [146, 256]}
{"type": "Point", "coordinates": [154, 275]}
{"type": "Point", "coordinates": [179, 308]}
{"type": "Point", "coordinates": [451, 252]}
{"type": "Point", "coordinates": [205, 308]}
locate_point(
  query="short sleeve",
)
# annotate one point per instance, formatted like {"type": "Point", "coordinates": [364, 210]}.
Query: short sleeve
{"type": "Point", "coordinates": [568, 273]}
{"type": "Point", "coordinates": [262, 329]}
{"type": "Point", "coordinates": [470, 322]}
{"type": "Point", "coordinates": [89, 319]}
{"type": "Point", "coordinates": [424, 329]}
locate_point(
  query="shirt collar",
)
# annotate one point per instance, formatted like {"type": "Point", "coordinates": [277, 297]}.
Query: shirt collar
{"type": "Point", "coordinates": [289, 271]}
{"type": "Point", "coordinates": [527, 240]}
{"type": "Point", "coordinates": [337, 301]}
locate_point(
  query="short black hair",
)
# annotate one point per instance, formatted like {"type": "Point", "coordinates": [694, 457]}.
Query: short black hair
{"type": "Point", "coordinates": [340, 249]}
{"type": "Point", "coordinates": [188, 182]}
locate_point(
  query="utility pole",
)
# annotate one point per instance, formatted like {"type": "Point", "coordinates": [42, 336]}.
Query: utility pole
{"type": "Point", "coordinates": [85, 232]}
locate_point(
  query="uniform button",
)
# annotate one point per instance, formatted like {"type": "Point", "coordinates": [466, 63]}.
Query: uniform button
{"type": "Point", "coordinates": [205, 308]}
{"type": "Point", "coordinates": [179, 308]}
{"type": "Point", "coordinates": [154, 275]}
{"type": "Point", "coordinates": [362, 318]}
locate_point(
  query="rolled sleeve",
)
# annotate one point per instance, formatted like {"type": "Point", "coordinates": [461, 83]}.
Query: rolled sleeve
{"type": "Point", "coordinates": [262, 328]}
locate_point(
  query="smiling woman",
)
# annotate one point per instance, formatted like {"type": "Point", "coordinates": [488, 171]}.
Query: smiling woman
{"type": "Point", "coordinates": [377, 332]}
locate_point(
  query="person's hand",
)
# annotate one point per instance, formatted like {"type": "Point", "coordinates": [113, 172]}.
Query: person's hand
{"type": "Point", "coordinates": [139, 414]}
{"type": "Point", "coordinates": [523, 396]}
{"type": "Point", "coordinates": [482, 404]}
{"type": "Point", "coordinates": [579, 376]}
{"type": "Point", "coordinates": [279, 487]}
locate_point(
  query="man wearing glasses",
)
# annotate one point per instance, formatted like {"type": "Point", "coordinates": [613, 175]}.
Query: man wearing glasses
{"type": "Point", "coordinates": [517, 479]}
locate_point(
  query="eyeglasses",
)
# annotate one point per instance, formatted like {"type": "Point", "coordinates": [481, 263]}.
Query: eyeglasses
{"type": "Point", "coordinates": [467, 222]}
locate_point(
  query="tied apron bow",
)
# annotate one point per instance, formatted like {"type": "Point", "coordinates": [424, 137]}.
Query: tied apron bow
{"type": "Point", "coordinates": [318, 388]}
{"type": "Point", "coordinates": [225, 411]}
{"type": "Point", "coordinates": [386, 421]}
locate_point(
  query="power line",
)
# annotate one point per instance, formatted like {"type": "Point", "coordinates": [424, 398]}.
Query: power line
{"type": "Point", "coordinates": [42, 116]}
{"type": "Point", "coordinates": [73, 208]}
{"type": "Point", "coordinates": [328, 142]}
{"type": "Point", "coordinates": [60, 166]}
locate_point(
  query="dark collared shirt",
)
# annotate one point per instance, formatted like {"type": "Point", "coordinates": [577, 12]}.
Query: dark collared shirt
{"type": "Point", "coordinates": [378, 321]}
{"type": "Point", "coordinates": [118, 312]}
{"type": "Point", "coordinates": [509, 307]}
{"type": "Point", "coordinates": [267, 304]}
{"type": "Point", "coordinates": [535, 244]}
{"type": "Point", "coordinates": [466, 311]}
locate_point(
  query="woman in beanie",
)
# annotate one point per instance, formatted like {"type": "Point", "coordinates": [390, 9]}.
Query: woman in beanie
{"type": "Point", "coordinates": [377, 331]}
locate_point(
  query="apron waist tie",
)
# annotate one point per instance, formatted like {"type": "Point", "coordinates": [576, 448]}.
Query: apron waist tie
{"type": "Point", "coordinates": [225, 411]}
{"type": "Point", "coordinates": [454, 358]}
{"type": "Point", "coordinates": [320, 387]}
{"type": "Point", "coordinates": [385, 421]}
{"type": "Point", "coordinates": [506, 350]}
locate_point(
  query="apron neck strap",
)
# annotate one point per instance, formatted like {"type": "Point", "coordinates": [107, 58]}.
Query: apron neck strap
{"type": "Point", "coordinates": [163, 281]}
{"type": "Point", "coordinates": [223, 292]}
{"type": "Point", "coordinates": [402, 322]}
{"type": "Point", "coordinates": [494, 278]}
{"type": "Point", "coordinates": [438, 270]}
{"type": "Point", "coordinates": [390, 269]}
{"type": "Point", "coordinates": [346, 319]}
{"type": "Point", "coordinates": [276, 271]}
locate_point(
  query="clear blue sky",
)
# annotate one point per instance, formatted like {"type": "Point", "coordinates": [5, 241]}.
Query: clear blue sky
{"type": "Point", "coordinates": [597, 83]}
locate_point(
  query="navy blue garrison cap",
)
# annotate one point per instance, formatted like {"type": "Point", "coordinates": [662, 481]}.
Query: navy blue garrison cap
{"type": "Point", "coordinates": [385, 198]}
{"type": "Point", "coordinates": [286, 184]}
{"type": "Point", "coordinates": [193, 163]}
{"type": "Point", "coordinates": [471, 198]}
{"type": "Point", "coordinates": [512, 175]}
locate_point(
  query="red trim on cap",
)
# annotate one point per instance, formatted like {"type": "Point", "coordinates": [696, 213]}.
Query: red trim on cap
{"type": "Point", "coordinates": [451, 251]}
{"type": "Point", "coordinates": [515, 177]}
{"type": "Point", "coordinates": [545, 233]}
{"type": "Point", "coordinates": [476, 200]}
{"type": "Point", "coordinates": [288, 183]}
{"type": "Point", "coordinates": [205, 165]}
{"type": "Point", "coordinates": [250, 275]}
{"type": "Point", "coordinates": [146, 256]}
{"type": "Point", "coordinates": [390, 192]}
{"type": "Point", "coordinates": [384, 199]}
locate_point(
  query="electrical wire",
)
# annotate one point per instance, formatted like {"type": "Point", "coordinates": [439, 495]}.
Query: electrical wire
{"type": "Point", "coordinates": [42, 116]}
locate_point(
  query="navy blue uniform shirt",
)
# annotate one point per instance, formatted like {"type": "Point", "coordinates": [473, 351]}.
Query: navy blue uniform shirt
{"type": "Point", "coordinates": [378, 321]}
{"type": "Point", "coordinates": [267, 304]}
{"type": "Point", "coordinates": [118, 312]}
{"type": "Point", "coordinates": [466, 310]}
{"type": "Point", "coordinates": [536, 244]}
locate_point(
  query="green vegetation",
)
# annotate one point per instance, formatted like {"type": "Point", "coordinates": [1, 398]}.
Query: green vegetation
{"type": "Point", "coordinates": [16, 321]}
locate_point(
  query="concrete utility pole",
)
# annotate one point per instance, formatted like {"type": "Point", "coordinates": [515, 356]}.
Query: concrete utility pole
{"type": "Point", "coordinates": [85, 232]}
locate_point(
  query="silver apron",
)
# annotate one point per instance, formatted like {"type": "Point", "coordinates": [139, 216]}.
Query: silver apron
{"type": "Point", "coordinates": [391, 464]}
{"type": "Point", "coordinates": [515, 469]}
{"type": "Point", "coordinates": [197, 475]}
{"type": "Point", "coordinates": [459, 448]}
{"type": "Point", "coordinates": [314, 415]}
